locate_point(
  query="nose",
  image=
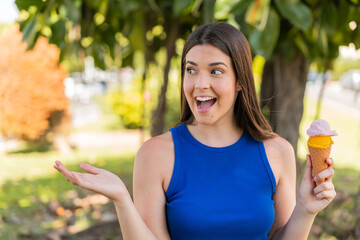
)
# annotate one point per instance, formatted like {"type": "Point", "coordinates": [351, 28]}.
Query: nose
{"type": "Point", "coordinates": [202, 82]}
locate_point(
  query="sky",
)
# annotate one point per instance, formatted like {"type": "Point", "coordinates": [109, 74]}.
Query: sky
{"type": "Point", "coordinates": [8, 11]}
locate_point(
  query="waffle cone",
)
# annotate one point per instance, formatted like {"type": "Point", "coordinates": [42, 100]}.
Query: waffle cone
{"type": "Point", "coordinates": [318, 159]}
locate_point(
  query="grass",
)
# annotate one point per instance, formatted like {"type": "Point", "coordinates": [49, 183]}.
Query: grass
{"type": "Point", "coordinates": [32, 206]}
{"type": "Point", "coordinates": [36, 199]}
{"type": "Point", "coordinates": [341, 218]}
{"type": "Point", "coordinates": [38, 164]}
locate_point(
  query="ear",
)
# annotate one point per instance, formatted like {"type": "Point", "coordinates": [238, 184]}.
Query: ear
{"type": "Point", "coordinates": [238, 87]}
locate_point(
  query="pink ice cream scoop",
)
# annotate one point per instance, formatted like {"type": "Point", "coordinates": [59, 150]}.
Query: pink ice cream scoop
{"type": "Point", "coordinates": [320, 127]}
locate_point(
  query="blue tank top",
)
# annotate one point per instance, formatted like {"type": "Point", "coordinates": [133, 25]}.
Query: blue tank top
{"type": "Point", "coordinates": [219, 193]}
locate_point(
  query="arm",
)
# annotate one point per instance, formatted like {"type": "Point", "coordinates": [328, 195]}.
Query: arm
{"type": "Point", "coordinates": [153, 168]}
{"type": "Point", "coordinates": [293, 220]}
{"type": "Point", "coordinates": [310, 202]}
{"type": "Point", "coordinates": [282, 160]}
{"type": "Point", "coordinates": [110, 185]}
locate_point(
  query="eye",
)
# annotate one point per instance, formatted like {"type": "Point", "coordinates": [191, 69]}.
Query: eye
{"type": "Point", "coordinates": [216, 71]}
{"type": "Point", "coordinates": [190, 70]}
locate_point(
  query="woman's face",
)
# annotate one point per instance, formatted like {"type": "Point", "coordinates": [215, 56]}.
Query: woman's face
{"type": "Point", "coordinates": [209, 84]}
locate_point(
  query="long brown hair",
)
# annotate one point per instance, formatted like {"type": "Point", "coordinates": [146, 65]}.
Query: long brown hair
{"type": "Point", "coordinates": [232, 42]}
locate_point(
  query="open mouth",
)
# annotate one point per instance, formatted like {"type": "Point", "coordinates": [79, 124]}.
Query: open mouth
{"type": "Point", "coordinates": [204, 103]}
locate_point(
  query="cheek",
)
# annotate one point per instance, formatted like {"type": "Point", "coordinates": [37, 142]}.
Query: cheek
{"type": "Point", "coordinates": [224, 88]}
{"type": "Point", "coordinates": [226, 91]}
{"type": "Point", "coordinates": [188, 88]}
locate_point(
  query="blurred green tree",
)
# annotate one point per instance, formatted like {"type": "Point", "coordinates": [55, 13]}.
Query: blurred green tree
{"type": "Point", "coordinates": [112, 31]}
{"type": "Point", "coordinates": [290, 34]}
{"type": "Point", "coordinates": [126, 105]}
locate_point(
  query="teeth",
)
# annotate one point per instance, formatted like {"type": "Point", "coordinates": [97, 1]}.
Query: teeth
{"type": "Point", "coordinates": [202, 99]}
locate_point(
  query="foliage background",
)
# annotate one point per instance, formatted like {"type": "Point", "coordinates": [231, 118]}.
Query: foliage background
{"type": "Point", "coordinates": [35, 201]}
{"type": "Point", "coordinates": [32, 95]}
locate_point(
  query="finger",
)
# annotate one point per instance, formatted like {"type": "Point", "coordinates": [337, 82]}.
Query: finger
{"type": "Point", "coordinates": [90, 169]}
{"type": "Point", "coordinates": [64, 171]}
{"type": "Point", "coordinates": [330, 161]}
{"type": "Point", "coordinates": [329, 195]}
{"type": "Point", "coordinates": [56, 166]}
{"type": "Point", "coordinates": [324, 175]}
{"type": "Point", "coordinates": [329, 178]}
{"type": "Point", "coordinates": [325, 186]}
{"type": "Point", "coordinates": [308, 168]}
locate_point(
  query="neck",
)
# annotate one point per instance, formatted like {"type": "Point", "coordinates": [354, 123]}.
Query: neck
{"type": "Point", "coordinates": [216, 135]}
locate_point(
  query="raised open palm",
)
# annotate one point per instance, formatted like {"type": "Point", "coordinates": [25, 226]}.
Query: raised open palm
{"type": "Point", "coordinates": [96, 179]}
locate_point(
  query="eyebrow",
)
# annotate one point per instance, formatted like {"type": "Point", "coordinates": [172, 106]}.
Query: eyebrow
{"type": "Point", "coordinates": [210, 64]}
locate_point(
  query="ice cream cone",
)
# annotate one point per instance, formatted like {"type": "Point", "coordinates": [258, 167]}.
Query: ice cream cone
{"type": "Point", "coordinates": [318, 159]}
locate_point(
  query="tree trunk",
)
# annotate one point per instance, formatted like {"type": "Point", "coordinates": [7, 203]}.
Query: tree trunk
{"type": "Point", "coordinates": [282, 91]}
{"type": "Point", "coordinates": [158, 118]}
{"type": "Point", "coordinates": [148, 57]}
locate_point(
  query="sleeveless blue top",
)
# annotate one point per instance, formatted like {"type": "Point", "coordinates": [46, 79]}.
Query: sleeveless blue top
{"type": "Point", "coordinates": [219, 193]}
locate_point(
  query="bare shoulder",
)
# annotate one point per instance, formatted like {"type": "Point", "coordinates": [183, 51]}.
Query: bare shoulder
{"type": "Point", "coordinates": [280, 154]}
{"type": "Point", "coordinates": [155, 159]}
{"type": "Point", "coordinates": [157, 146]}
{"type": "Point", "coordinates": [278, 145]}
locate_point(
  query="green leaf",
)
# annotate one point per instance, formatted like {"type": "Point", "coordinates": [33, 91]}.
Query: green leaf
{"type": "Point", "coordinates": [29, 31]}
{"type": "Point", "coordinates": [92, 3]}
{"type": "Point", "coordinates": [357, 38]}
{"type": "Point", "coordinates": [136, 34]}
{"type": "Point", "coordinates": [290, 2]}
{"type": "Point", "coordinates": [224, 8]}
{"type": "Point", "coordinates": [322, 41]}
{"type": "Point", "coordinates": [58, 30]}
{"type": "Point", "coordinates": [329, 18]}
{"type": "Point", "coordinates": [103, 8]}
{"type": "Point", "coordinates": [241, 6]}
{"type": "Point", "coordinates": [333, 50]}
{"type": "Point", "coordinates": [353, 13]}
{"type": "Point", "coordinates": [180, 5]}
{"type": "Point", "coordinates": [355, 2]}
{"type": "Point", "coordinates": [108, 37]}
{"type": "Point", "coordinates": [257, 14]}
{"type": "Point", "coordinates": [312, 2]}
{"type": "Point", "coordinates": [127, 59]}
{"type": "Point", "coordinates": [243, 26]}
{"type": "Point", "coordinates": [310, 39]}
{"type": "Point", "coordinates": [302, 45]}
{"type": "Point", "coordinates": [298, 14]}
{"type": "Point", "coordinates": [208, 11]}
{"type": "Point", "coordinates": [339, 38]}
{"type": "Point", "coordinates": [98, 55]}
{"type": "Point", "coordinates": [264, 42]}
{"type": "Point", "coordinates": [25, 4]}
{"type": "Point", "coordinates": [73, 10]}
{"type": "Point", "coordinates": [342, 11]}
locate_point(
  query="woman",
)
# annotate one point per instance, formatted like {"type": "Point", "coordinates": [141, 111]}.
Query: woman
{"type": "Point", "coordinates": [221, 173]}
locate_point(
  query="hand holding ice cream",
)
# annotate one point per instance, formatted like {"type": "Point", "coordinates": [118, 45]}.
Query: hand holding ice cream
{"type": "Point", "coordinates": [319, 144]}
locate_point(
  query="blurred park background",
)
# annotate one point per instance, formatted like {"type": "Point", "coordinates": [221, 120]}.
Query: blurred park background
{"type": "Point", "coordinates": [91, 80]}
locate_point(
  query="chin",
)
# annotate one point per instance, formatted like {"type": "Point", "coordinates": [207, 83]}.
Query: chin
{"type": "Point", "coordinates": [203, 120]}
